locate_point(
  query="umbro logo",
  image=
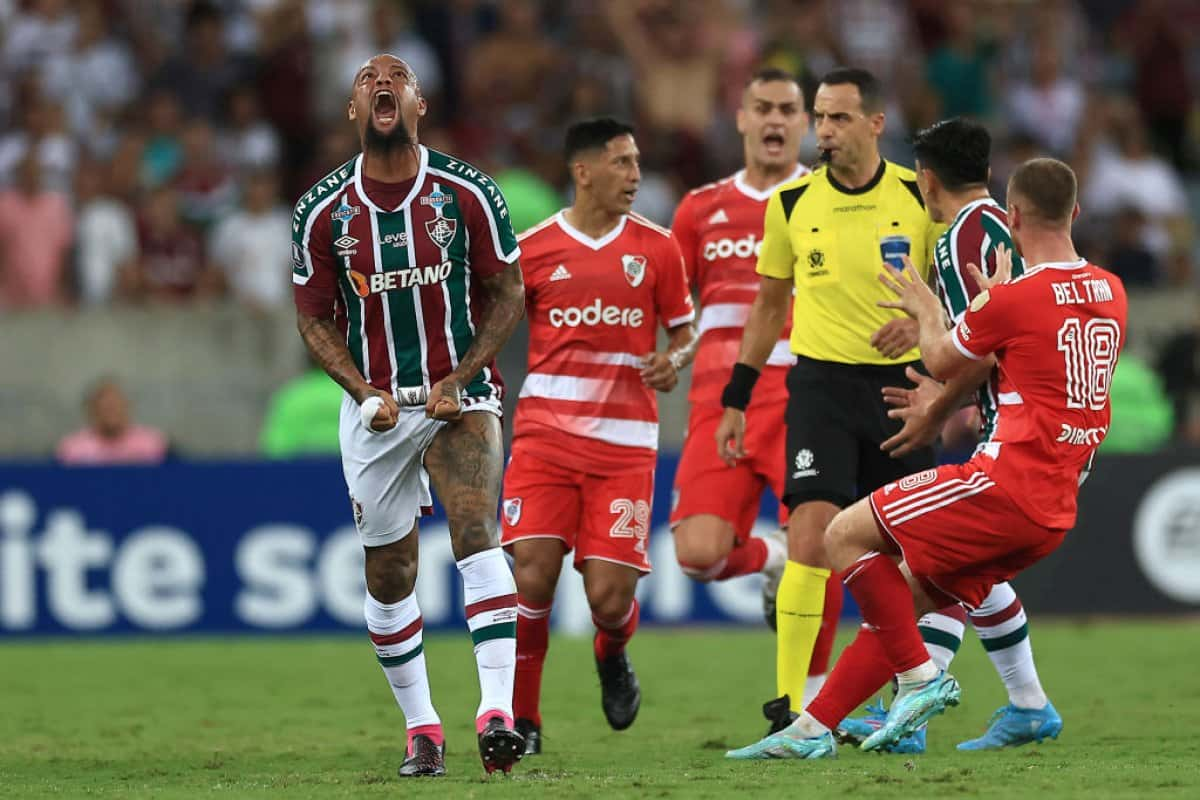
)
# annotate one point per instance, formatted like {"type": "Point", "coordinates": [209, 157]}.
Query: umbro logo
{"type": "Point", "coordinates": [718, 216]}
{"type": "Point", "coordinates": [560, 274]}
{"type": "Point", "coordinates": [345, 245]}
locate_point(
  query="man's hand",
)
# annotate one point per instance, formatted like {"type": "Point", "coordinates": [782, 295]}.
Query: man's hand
{"type": "Point", "coordinates": [388, 413]}
{"type": "Point", "coordinates": [914, 296]}
{"type": "Point", "coordinates": [915, 407]}
{"type": "Point", "coordinates": [731, 436]}
{"type": "Point", "coordinates": [1003, 270]}
{"type": "Point", "coordinates": [445, 399]}
{"type": "Point", "coordinates": [896, 337]}
{"type": "Point", "coordinates": [658, 372]}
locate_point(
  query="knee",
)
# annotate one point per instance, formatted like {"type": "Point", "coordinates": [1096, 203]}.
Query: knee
{"type": "Point", "coordinates": [391, 570]}
{"type": "Point", "coordinates": [697, 555]}
{"type": "Point", "coordinates": [836, 533]}
{"type": "Point", "coordinates": [535, 582]}
{"type": "Point", "coordinates": [609, 601]}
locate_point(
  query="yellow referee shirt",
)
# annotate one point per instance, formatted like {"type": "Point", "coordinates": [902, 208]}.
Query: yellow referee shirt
{"type": "Point", "coordinates": [829, 240]}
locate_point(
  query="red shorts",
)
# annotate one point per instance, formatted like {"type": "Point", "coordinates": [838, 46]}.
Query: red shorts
{"type": "Point", "coordinates": [959, 532]}
{"type": "Point", "coordinates": [704, 484]}
{"type": "Point", "coordinates": [605, 517]}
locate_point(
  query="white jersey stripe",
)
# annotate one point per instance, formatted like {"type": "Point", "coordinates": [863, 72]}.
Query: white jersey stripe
{"type": "Point", "coordinates": [609, 359]}
{"type": "Point", "coordinates": [447, 318]}
{"type": "Point", "coordinates": [488, 211]}
{"type": "Point", "coordinates": [383, 296]}
{"type": "Point", "coordinates": [682, 319]}
{"type": "Point", "coordinates": [1010, 399]}
{"type": "Point", "coordinates": [362, 304]}
{"type": "Point", "coordinates": [919, 497]}
{"type": "Point", "coordinates": [313, 216]}
{"type": "Point", "coordinates": [566, 387]}
{"type": "Point", "coordinates": [962, 494]}
{"type": "Point", "coordinates": [626, 432]}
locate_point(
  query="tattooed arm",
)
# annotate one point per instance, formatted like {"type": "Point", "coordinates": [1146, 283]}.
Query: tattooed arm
{"type": "Point", "coordinates": [505, 306]}
{"type": "Point", "coordinates": [328, 348]}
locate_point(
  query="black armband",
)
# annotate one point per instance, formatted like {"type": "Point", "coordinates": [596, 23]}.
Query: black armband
{"type": "Point", "coordinates": [740, 387]}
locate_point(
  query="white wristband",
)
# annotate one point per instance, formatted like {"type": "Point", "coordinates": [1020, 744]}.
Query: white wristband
{"type": "Point", "coordinates": [368, 410]}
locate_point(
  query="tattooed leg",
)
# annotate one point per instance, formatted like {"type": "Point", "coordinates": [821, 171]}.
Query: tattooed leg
{"type": "Point", "coordinates": [465, 463]}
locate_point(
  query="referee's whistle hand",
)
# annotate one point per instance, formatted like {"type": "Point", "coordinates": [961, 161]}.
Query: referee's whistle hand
{"type": "Point", "coordinates": [896, 337]}
{"type": "Point", "coordinates": [731, 436]}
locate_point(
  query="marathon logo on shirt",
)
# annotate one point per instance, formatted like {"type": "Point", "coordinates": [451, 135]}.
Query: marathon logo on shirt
{"type": "Point", "coordinates": [376, 282]}
{"type": "Point", "coordinates": [737, 248]}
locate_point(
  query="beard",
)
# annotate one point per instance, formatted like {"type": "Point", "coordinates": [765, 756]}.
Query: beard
{"type": "Point", "coordinates": [384, 143]}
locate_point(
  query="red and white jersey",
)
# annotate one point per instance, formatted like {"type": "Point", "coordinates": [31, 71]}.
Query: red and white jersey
{"type": "Point", "coordinates": [719, 227]}
{"type": "Point", "coordinates": [1056, 332]}
{"type": "Point", "coordinates": [594, 307]}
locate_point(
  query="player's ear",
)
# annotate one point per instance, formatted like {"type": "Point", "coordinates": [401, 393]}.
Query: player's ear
{"type": "Point", "coordinates": [741, 121]}
{"type": "Point", "coordinates": [1075, 213]}
{"type": "Point", "coordinates": [422, 106]}
{"type": "Point", "coordinates": [351, 114]}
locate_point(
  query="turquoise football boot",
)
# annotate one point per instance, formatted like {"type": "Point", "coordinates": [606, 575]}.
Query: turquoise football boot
{"type": "Point", "coordinates": [914, 707]}
{"type": "Point", "coordinates": [1012, 727]}
{"type": "Point", "coordinates": [854, 730]}
{"type": "Point", "coordinates": [786, 745]}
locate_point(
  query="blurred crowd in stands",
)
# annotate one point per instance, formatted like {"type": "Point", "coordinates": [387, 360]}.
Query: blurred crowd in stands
{"type": "Point", "coordinates": [150, 150]}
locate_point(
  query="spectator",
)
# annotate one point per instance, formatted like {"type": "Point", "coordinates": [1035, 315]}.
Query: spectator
{"type": "Point", "coordinates": [1129, 257]}
{"type": "Point", "coordinates": [1160, 31]}
{"type": "Point", "coordinates": [45, 29]}
{"type": "Point", "coordinates": [957, 71]}
{"type": "Point", "coordinates": [248, 142]}
{"type": "Point", "coordinates": [252, 246]}
{"type": "Point", "coordinates": [105, 234]}
{"type": "Point", "coordinates": [201, 73]}
{"type": "Point", "coordinates": [162, 154]}
{"type": "Point", "coordinates": [1130, 176]}
{"type": "Point", "coordinates": [389, 30]}
{"type": "Point", "coordinates": [302, 417]}
{"type": "Point", "coordinates": [111, 436]}
{"type": "Point", "coordinates": [42, 132]}
{"type": "Point", "coordinates": [1049, 106]}
{"type": "Point", "coordinates": [1179, 365]}
{"type": "Point", "coordinates": [171, 264]}
{"type": "Point", "coordinates": [207, 190]}
{"type": "Point", "coordinates": [35, 239]}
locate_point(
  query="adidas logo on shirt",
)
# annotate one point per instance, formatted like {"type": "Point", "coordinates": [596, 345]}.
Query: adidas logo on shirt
{"type": "Point", "coordinates": [718, 216]}
{"type": "Point", "coordinates": [560, 273]}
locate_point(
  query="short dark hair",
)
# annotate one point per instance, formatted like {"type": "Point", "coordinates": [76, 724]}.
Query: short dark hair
{"type": "Point", "coordinates": [593, 134]}
{"type": "Point", "coordinates": [1050, 187]}
{"type": "Point", "coordinates": [957, 150]}
{"type": "Point", "coordinates": [869, 87]}
{"type": "Point", "coordinates": [772, 75]}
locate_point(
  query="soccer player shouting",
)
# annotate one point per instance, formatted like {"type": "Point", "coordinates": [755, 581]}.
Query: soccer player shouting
{"type": "Point", "coordinates": [600, 281]}
{"type": "Point", "coordinates": [719, 228]}
{"type": "Point", "coordinates": [952, 533]}
{"type": "Point", "coordinates": [407, 284]}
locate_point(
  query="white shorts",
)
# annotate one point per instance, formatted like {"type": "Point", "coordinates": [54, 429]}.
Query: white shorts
{"type": "Point", "coordinates": [385, 472]}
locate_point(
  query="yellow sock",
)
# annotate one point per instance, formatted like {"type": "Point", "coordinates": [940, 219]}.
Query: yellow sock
{"type": "Point", "coordinates": [798, 609]}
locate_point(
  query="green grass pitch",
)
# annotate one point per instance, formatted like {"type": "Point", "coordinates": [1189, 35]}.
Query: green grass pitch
{"type": "Point", "coordinates": [290, 717]}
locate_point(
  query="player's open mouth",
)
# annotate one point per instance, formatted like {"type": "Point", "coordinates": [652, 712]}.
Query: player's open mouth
{"type": "Point", "coordinates": [773, 143]}
{"type": "Point", "coordinates": [384, 107]}
{"type": "Point", "coordinates": [629, 194]}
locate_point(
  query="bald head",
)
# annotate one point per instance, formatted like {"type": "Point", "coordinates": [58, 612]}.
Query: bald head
{"type": "Point", "coordinates": [1045, 191]}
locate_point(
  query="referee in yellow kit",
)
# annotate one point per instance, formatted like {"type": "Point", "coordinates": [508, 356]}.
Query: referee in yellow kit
{"type": "Point", "coordinates": [826, 234]}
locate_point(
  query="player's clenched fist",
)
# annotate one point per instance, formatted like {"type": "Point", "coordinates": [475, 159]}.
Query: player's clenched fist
{"type": "Point", "coordinates": [380, 412]}
{"type": "Point", "coordinates": [658, 372]}
{"type": "Point", "coordinates": [445, 400]}
{"type": "Point", "coordinates": [731, 435]}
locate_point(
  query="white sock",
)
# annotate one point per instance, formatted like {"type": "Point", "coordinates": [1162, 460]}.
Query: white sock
{"type": "Point", "coordinates": [918, 674]}
{"type": "Point", "coordinates": [1004, 631]}
{"type": "Point", "coordinates": [812, 687]}
{"type": "Point", "coordinates": [942, 634]}
{"type": "Point", "coordinates": [490, 596]}
{"type": "Point", "coordinates": [806, 726]}
{"type": "Point", "coordinates": [395, 630]}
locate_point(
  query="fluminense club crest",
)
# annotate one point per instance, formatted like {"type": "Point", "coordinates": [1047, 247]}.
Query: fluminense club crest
{"type": "Point", "coordinates": [635, 269]}
{"type": "Point", "coordinates": [441, 230]}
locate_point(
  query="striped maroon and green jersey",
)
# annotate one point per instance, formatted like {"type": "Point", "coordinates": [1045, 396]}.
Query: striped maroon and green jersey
{"type": "Point", "coordinates": [402, 279]}
{"type": "Point", "coordinates": [972, 238]}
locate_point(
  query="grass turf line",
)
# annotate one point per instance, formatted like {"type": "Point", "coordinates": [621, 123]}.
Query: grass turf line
{"type": "Point", "coordinates": [290, 717]}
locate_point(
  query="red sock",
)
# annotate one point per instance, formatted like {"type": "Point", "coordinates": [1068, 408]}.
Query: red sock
{"type": "Point", "coordinates": [611, 637]}
{"type": "Point", "coordinates": [533, 639]}
{"type": "Point", "coordinates": [834, 596]}
{"type": "Point", "coordinates": [859, 672]}
{"type": "Point", "coordinates": [887, 606]}
{"type": "Point", "coordinates": [746, 558]}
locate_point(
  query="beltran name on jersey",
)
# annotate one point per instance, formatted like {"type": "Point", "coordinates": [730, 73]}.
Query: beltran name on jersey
{"type": "Point", "coordinates": [402, 282]}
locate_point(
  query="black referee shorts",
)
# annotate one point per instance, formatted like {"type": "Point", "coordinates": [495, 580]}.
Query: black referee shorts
{"type": "Point", "coordinates": [836, 420]}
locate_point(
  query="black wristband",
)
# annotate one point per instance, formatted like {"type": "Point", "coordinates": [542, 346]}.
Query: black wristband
{"type": "Point", "coordinates": [740, 387]}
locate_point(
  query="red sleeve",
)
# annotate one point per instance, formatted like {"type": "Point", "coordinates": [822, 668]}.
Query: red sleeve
{"type": "Point", "coordinates": [990, 322]}
{"type": "Point", "coordinates": [314, 271]}
{"type": "Point", "coordinates": [684, 228]}
{"type": "Point", "coordinates": [672, 299]}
